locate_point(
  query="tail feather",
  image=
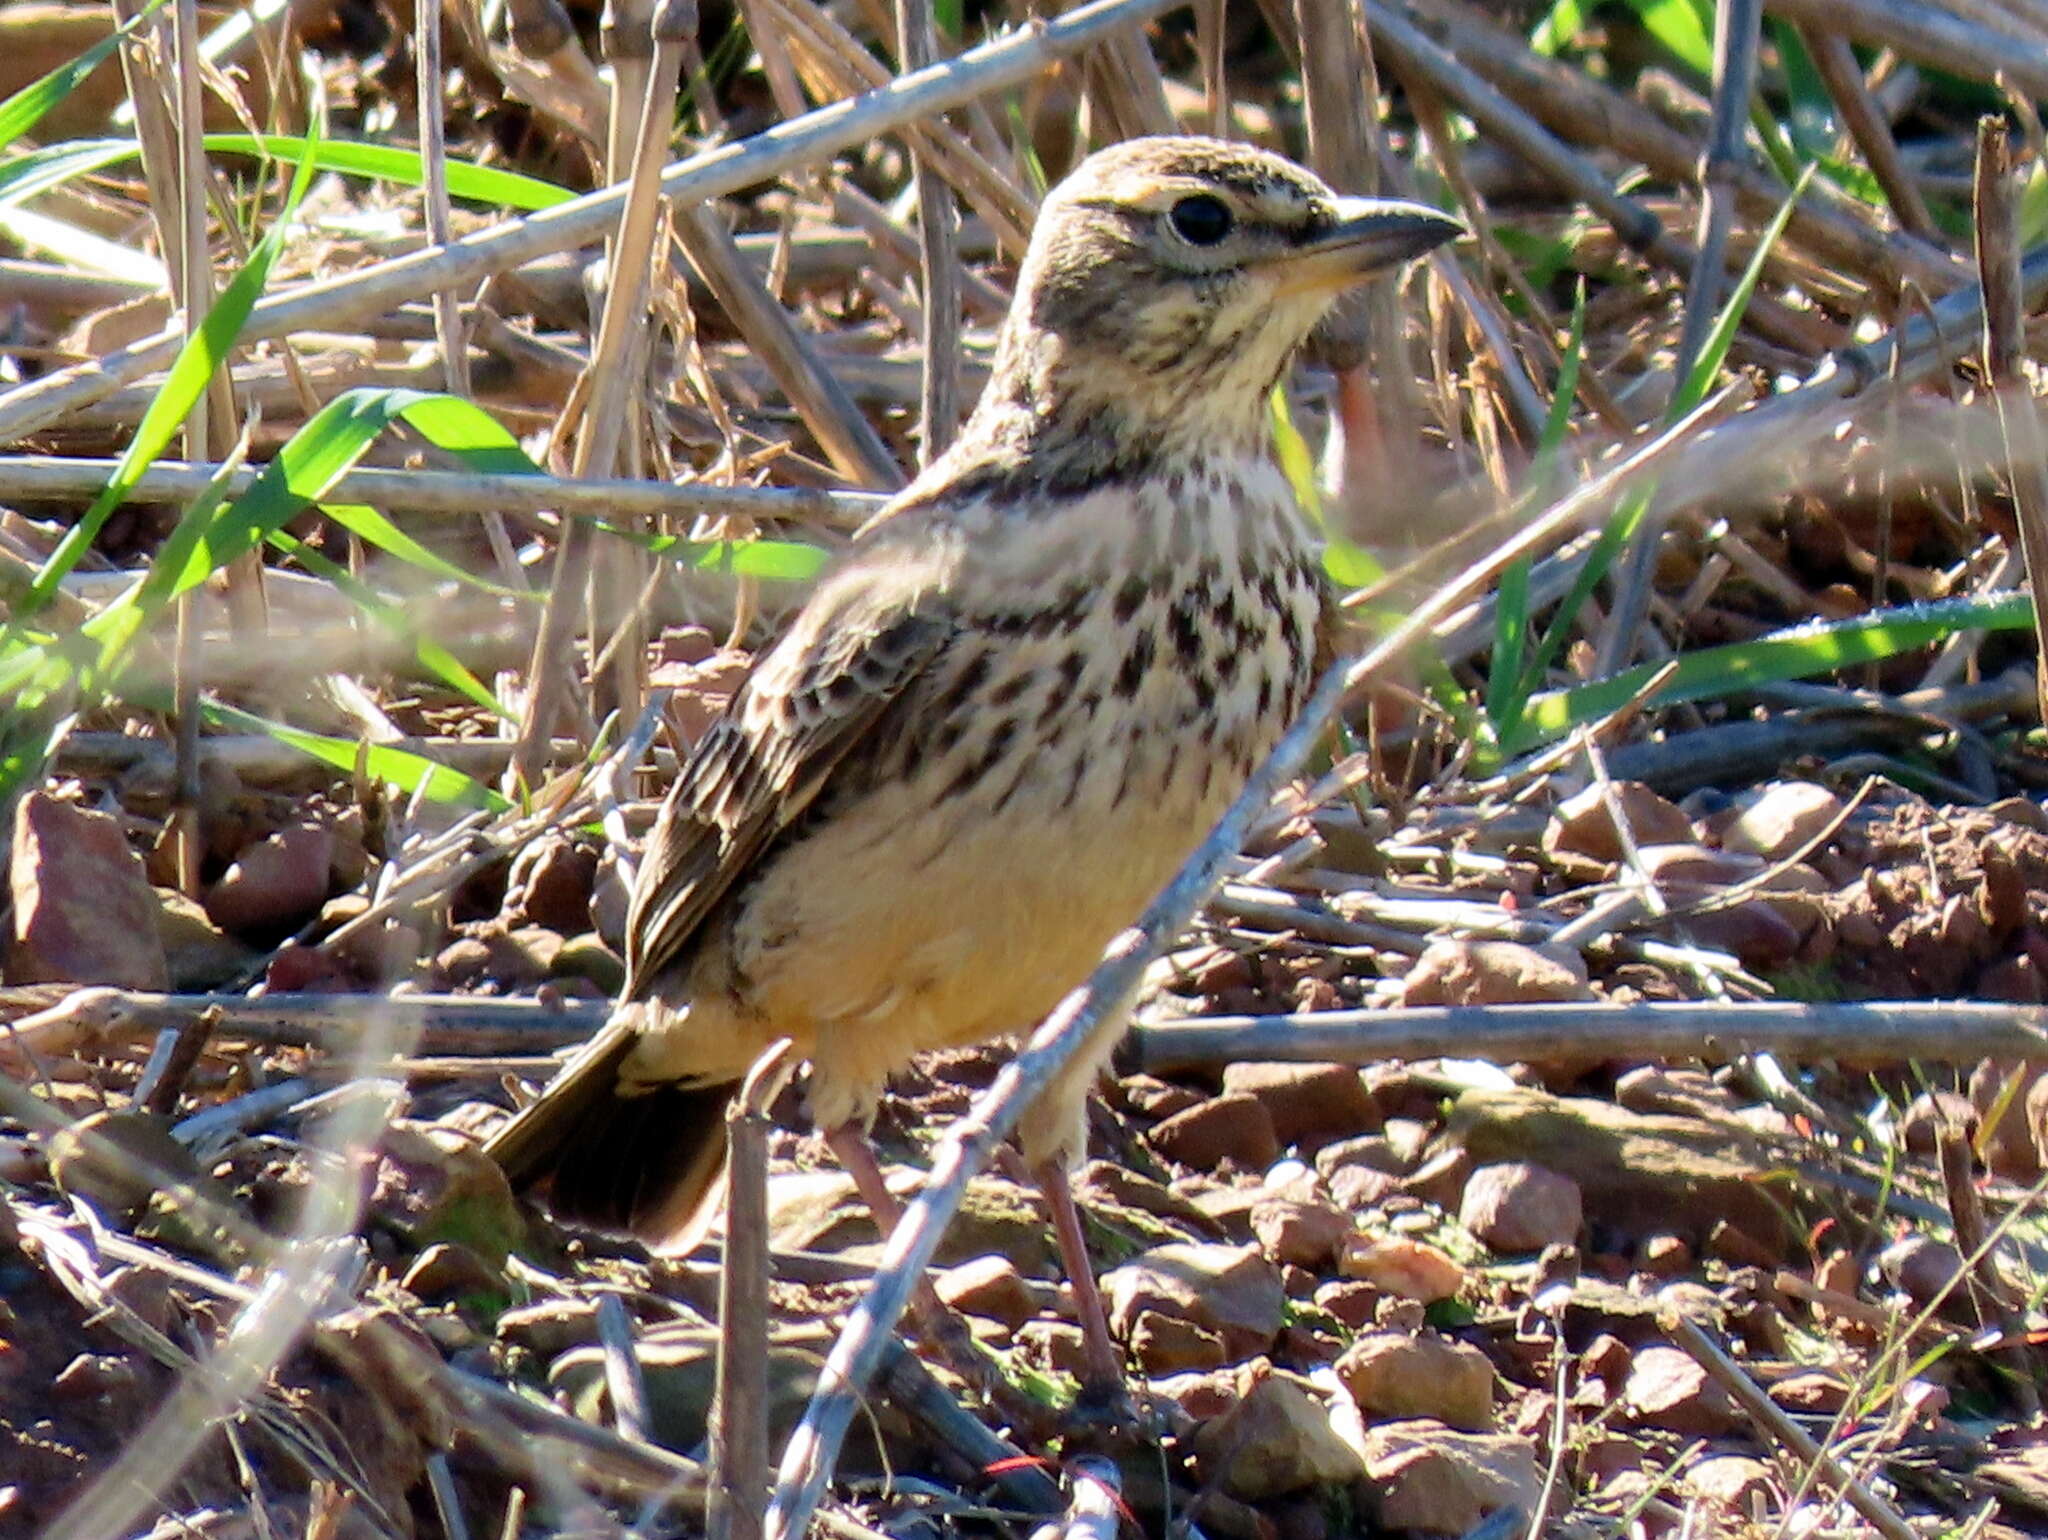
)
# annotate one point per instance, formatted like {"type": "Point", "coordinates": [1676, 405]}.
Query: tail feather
{"type": "Point", "coordinates": [641, 1162]}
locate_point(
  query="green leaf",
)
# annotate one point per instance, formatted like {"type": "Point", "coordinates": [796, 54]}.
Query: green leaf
{"type": "Point", "coordinates": [203, 353]}
{"type": "Point", "coordinates": [1797, 653]}
{"type": "Point", "coordinates": [402, 768]}
{"type": "Point", "coordinates": [392, 163]}
{"type": "Point", "coordinates": [780, 561]}
{"type": "Point", "coordinates": [1559, 28]}
{"type": "Point", "coordinates": [38, 171]}
{"type": "Point", "coordinates": [27, 107]}
{"type": "Point", "coordinates": [436, 659]}
{"type": "Point", "coordinates": [1685, 27]}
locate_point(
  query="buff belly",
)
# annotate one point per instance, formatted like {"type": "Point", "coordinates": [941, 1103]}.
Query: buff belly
{"type": "Point", "coordinates": [866, 947]}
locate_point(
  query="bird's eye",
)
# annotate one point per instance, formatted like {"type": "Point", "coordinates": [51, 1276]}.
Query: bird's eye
{"type": "Point", "coordinates": [1201, 220]}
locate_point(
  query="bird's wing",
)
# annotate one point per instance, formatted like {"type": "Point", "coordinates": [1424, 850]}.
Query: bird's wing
{"type": "Point", "coordinates": [806, 704]}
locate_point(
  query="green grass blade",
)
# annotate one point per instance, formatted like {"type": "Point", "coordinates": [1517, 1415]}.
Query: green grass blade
{"type": "Point", "coordinates": [1559, 28]}
{"type": "Point", "coordinates": [1685, 27]}
{"type": "Point", "coordinates": [1559, 420]}
{"type": "Point", "coordinates": [1778, 147]}
{"type": "Point", "coordinates": [1798, 653]}
{"type": "Point", "coordinates": [408, 771]}
{"type": "Point", "coordinates": [319, 455]}
{"type": "Point", "coordinates": [1628, 516]}
{"type": "Point", "coordinates": [122, 620]}
{"type": "Point", "coordinates": [436, 659]}
{"type": "Point", "coordinates": [203, 353]}
{"type": "Point", "coordinates": [1811, 120]}
{"type": "Point", "coordinates": [27, 107]}
{"type": "Point", "coordinates": [393, 163]}
{"type": "Point", "coordinates": [2033, 211]}
{"type": "Point", "coordinates": [330, 445]}
{"type": "Point", "coordinates": [1714, 352]}
{"type": "Point", "coordinates": [1350, 566]}
{"type": "Point", "coordinates": [58, 667]}
{"type": "Point", "coordinates": [38, 171]}
{"type": "Point", "coordinates": [1505, 692]}
{"type": "Point", "coordinates": [35, 172]}
{"type": "Point", "coordinates": [780, 561]}
{"type": "Point", "coordinates": [1291, 450]}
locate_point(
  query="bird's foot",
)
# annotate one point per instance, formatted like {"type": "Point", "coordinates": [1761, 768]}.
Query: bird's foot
{"type": "Point", "coordinates": [945, 1335]}
{"type": "Point", "coordinates": [1103, 1414]}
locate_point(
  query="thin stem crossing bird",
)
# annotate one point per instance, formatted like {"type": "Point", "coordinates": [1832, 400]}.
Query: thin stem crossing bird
{"type": "Point", "coordinates": [995, 731]}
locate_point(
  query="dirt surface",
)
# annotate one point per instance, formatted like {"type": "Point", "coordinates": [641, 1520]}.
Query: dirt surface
{"type": "Point", "coordinates": [1488, 1263]}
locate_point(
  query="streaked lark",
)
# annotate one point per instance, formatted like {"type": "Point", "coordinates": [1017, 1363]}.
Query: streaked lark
{"type": "Point", "coordinates": [996, 730]}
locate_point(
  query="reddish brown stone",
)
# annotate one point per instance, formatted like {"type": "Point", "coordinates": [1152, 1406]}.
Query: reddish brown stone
{"type": "Point", "coordinates": [84, 912]}
{"type": "Point", "coordinates": [1428, 1478]}
{"type": "Point", "coordinates": [1169, 1344]}
{"type": "Point", "coordinates": [1493, 973]}
{"type": "Point", "coordinates": [1305, 1234]}
{"type": "Point", "coordinates": [989, 1286]}
{"type": "Point", "coordinates": [1237, 1129]}
{"type": "Point", "coordinates": [1391, 1374]}
{"type": "Point", "coordinates": [1230, 1290]}
{"type": "Point", "coordinates": [1311, 1104]}
{"type": "Point", "coordinates": [278, 882]}
{"type": "Point", "coordinates": [1668, 1390]}
{"type": "Point", "coordinates": [1584, 823]}
{"type": "Point", "coordinates": [1813, 1392]}
{"type": "Point", "coordinates": [1517, 1206]}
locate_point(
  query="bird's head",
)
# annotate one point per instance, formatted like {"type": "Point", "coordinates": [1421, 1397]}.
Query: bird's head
{"type": "Point", "coordinates": [1169, 280]}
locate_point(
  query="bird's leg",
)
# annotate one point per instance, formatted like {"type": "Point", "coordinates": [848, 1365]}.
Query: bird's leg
{"type": "Point", "coordinates": [850, 1147]}
{"type": "Point", "coordinates": [941, 1326]}
{"type": "Point", "coordinates": [1102, 1381]}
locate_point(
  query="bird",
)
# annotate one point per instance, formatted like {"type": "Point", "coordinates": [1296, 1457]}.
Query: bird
{"type": "Point", "coordinates": [996, 728]}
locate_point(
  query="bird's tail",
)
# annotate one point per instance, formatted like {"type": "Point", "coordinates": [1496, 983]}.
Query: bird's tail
{"type": "Point", "coordinates": [647, 1163]}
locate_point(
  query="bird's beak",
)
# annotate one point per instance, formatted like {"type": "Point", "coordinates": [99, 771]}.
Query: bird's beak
{"type": "Point", "coordinates": [1370, 236]}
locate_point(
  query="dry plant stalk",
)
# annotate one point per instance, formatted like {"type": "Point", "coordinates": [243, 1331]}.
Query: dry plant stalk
{"type": "Point", "coordinates": [739, 1414]}
{"type": "Point", "coordinates": [1778, 1427]}
{"type": "Point", "coordinates": [597, 411]}
{"type": "Point", "coordinates": [1842, 74]}
{"type": "Point", "coordinates": [2005, 351]}
{"type": "Point", "coordinates": [1737, 24]}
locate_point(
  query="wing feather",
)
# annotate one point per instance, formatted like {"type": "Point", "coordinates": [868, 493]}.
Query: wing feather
{"type": "Point", "coordinates": [799, 712]}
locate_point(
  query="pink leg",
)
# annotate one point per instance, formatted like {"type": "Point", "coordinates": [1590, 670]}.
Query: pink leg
{"type": "Point", "coordinates": [850, 1147]}
{"type": "Point", "coordinates": [1105, 1365]}
{"type": "Point", "coordinates": [941, 1327]}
